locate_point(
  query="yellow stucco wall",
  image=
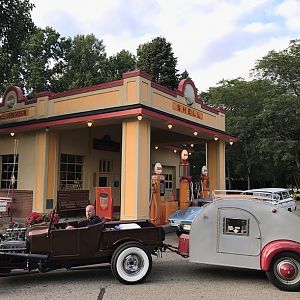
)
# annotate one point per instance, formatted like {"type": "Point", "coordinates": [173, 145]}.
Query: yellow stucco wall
{"type": "Point", "coordinates": [41, 169]}
{"type": "Point", "coordinates": [86, 102]}
{"type": "Point", "coordinates": [27, 157]}
{"type": "Point", "coordinates": [135, 169]}
{"type": "Point", "coordinates": [52, 173]}
{"type": "Point", "coordinates": [216, 165]}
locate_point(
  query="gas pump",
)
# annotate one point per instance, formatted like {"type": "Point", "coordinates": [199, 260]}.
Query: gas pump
{"type": "Point", "coordinates": [157, 192]}
{"type": "Point", "coordinates": [184, 181]}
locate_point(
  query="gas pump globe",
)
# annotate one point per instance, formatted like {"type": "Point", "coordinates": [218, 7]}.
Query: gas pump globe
{"type": "Point", "coordinates": [184, 181]}
{"type": "Point", "coordinates": [157, 192]}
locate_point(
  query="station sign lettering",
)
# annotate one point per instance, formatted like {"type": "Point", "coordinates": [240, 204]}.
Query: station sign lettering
{"type": "Point", "coordinates": [14, 114]}
{"type": "Point", "coordinates": [187, 110]}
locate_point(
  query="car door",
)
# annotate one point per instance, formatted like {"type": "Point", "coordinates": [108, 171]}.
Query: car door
{"type": "Point", "coordinates": [65, 243]}
{"type": "Point", "coordinates": [238, 232]}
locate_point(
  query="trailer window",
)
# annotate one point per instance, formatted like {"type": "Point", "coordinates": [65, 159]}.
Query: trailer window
{"type": "Point", "coordinates": [236, 226]}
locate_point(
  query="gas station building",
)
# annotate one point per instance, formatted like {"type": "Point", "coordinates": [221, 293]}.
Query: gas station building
{"type": "Point", "coordinates": [110, 134]}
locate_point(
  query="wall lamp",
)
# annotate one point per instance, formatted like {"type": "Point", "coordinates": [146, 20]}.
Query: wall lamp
{"type": "Point", "coordinates": [140, 117]}
{"type": "Point", "coordinates": [12, 133]}
{"type": "Point", "coordinates": [195, 133]}
{"type": "Point", "coordinates": [231, 142]}
{"type": "Point", "coordinates": [216, 138]}
{"type": "Point", "coordinates": [170, 126]}
{"type": "Point", "coordinates": [175, 151]}
{"type": "Point", "coordinates": [89, 123]}
{"type": "Point", "coordinates": [192, 145]}
{"type": "Point", "coordinates": [156, 147]}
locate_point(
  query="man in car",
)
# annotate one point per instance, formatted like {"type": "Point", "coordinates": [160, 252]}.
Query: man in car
{"type": "Point", "coordinates": [91, 218]}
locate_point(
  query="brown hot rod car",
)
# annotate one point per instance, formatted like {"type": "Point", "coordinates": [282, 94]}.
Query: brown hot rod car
{"type": "Point", "coordinates": [126, 245]}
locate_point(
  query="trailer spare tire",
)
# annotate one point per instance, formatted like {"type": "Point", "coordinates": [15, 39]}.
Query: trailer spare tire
{"type": "Point", "coordinates": [131, 263]}
{"type": "Point", "coordinates": [284, 271]}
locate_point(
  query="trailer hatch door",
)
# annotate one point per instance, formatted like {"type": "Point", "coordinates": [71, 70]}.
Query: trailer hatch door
{"type": "Point", "coordinates": [238, 232]}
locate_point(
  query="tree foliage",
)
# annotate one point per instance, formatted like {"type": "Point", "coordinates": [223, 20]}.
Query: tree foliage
{"type": "Point", "coordinates": [120, 63]}
{"type": "Point", "coordinates": [157, 58]}
{"type": "Point", "coordinates": [15, 26]}
{"type": "Point", "coordinates": [43, 61]}
{"type": "Point", "coordinates": [86, 61]}
{"type": "Point", "coordinates": [282, 68]}
{"type": "Point", "coordinates": [243, 103]}
{"type": "Point", "coordinates": [280, 138]}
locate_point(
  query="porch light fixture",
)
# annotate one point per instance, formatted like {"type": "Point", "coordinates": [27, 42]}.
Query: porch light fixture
{"type": "Point", "coordinates": [216, 138]}
{"type": "Point", "coordinates": [156, 147]}
{"type": "Point", "coordinates": [175, 151]}
{"type": "Point", "coordinates": [170, 126]}
{"type": "Point", "coordinates": [231, 142]}
{"type": "Point", "coordinates": [12, 133]}
{"type": "Point", "coordinates": [47, 129]}
{"type": "Point", "coordinates": [192, 145]}
{"type": "Point", "coordinates": [89, 123]}
{"type": "Point", "coordinates": [140, 117]}
{"type": "Point", "coordinates": [195, 133]}
{"type": "Point", "coordinates": [190, 153]}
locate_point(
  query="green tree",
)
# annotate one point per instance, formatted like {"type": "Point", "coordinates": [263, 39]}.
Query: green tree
{"type": "Point", "coordinates": [15, 26]}
{"type": "Point", "coordinates": [281, 136]}
{"type": "Point", "coordinates": [86, 62]}
{"type": "Point", "coordinates": [120, 63]}
{"type": "Point", "coordinates": [282, 68]}
{"type": "Point", "coordinates": [43, 61]}
{"type": "Point", "coordinates": [157, 58]}
{"type": "Point", "coordinates": [243, 102]}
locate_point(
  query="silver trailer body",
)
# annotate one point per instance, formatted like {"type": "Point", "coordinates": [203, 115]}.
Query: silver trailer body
{"type": "Point", "coordinates": [232, 231]}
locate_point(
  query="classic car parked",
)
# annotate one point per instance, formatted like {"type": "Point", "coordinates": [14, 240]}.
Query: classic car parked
{"type": "Point", "coordinates": [126, 245]}
{"type": "Point", "coordinates": [247, 231]}
{"type": "Point", "coordinates": [278, 196]}
{"type": "Point", "coordinates": [183, 218]}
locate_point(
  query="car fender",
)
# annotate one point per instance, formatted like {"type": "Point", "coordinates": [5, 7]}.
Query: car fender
{"type": "Point", "coordinates": [274, 248]}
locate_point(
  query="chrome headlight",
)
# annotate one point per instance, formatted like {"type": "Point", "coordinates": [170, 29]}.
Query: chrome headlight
{"type": "Point", "coordinates": [186, 227]}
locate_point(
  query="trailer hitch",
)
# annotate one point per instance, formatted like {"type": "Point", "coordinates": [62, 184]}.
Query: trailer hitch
{"type": "Point", "coordinates": [172, 249]}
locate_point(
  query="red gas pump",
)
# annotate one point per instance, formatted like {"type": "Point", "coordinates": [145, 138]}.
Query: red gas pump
{"type": "Point", "coordinates": [157, 191]}
{"type": "Point", "coordinates": [184, 181]}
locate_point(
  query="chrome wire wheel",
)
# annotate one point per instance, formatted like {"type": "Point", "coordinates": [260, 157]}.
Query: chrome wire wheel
{"type": "Point", "coordinates": [133, 264]}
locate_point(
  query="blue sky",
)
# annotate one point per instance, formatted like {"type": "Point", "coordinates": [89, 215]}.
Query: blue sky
{"type": "Point", "coordinates": [212, 39]}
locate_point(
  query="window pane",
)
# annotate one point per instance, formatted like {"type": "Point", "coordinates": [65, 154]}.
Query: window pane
{"type": "Point", "coordinates": [71, 159]}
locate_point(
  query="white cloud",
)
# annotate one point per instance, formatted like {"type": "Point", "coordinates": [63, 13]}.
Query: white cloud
{"type": "Point", "coordinates": [193, 27]}
{"type": "Point", "coordinates": [257, 27]}
{"type": "Point", "coordinates": [237, 66]}
{"type": "Point", "coordinates": [290, 10]}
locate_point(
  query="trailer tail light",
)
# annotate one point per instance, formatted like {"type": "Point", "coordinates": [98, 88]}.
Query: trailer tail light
{"type": "Point", "coordinates": [183, 244]}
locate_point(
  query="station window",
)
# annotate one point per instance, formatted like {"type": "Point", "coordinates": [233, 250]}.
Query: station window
{"type": "Point", "coordinates": [235, 226]}
{"type": "Point", "coordinates": [7, 167]}
{"type": "Point", "coordinates": [105, 166]}
{"type": "Point", "coordinates": [169, 181]}
{"type": "Point", "coordinates": [71, 169]}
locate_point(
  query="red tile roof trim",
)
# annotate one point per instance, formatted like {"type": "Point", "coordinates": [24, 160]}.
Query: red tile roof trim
{"type": "Point", "coordinates": [137, 73]}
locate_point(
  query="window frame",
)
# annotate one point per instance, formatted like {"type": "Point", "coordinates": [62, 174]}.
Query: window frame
{"type": "Point", "coordinates": [69, 168]}
{"type": "Point", "coordinates": [233, 222]}
{"type": "Point", "coordinates": [10, 162]}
